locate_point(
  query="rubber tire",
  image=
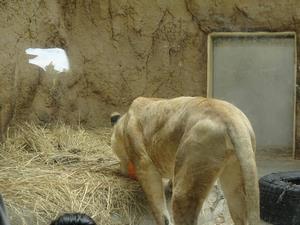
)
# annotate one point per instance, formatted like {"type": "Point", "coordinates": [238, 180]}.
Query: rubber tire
{"type": "Point", "coordinates": [280, 198]}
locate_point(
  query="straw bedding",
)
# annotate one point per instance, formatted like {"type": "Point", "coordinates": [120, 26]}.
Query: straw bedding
{"type": "Point", "coordinates": [47, 171]}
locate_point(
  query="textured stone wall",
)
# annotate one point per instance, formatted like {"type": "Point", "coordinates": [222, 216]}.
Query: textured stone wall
{"type": "Point", "coordinates": [118, 50]}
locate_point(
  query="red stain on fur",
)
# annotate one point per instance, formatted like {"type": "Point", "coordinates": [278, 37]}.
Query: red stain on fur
{"type": "Point", "coordinates": [131, 171]}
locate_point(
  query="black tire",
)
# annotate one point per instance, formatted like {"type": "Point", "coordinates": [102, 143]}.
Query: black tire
{"type": "Point", "coordinates": [280, 198]}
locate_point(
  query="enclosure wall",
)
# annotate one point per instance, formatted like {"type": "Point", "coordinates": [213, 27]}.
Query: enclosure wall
{"type": "Point", "coordinates": [118, 50]}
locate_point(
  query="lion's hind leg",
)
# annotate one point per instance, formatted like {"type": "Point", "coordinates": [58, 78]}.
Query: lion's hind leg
{"type": "Point", "coordinates": [194, 176]}
{"type": "Point", "coordinates": [190, 189]}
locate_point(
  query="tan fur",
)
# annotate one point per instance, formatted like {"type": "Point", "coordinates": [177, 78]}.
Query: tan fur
{"type": "Point", "coordinates": [193, 141]}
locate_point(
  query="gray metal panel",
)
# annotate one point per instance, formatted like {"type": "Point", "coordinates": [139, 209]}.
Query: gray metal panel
{"type": "Point", "coordinates": [257, 75]}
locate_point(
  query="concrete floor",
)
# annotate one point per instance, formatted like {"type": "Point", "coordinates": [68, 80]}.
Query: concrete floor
{"type": "Point", "coordinates": [267, 162]}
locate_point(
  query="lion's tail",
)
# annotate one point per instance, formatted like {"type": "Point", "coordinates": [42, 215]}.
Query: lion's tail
{"type": "Point", "coordinates": [241, 140]}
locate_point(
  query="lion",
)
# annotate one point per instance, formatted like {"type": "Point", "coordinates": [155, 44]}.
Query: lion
{"type": "Point", "coordinates": [192, 141]}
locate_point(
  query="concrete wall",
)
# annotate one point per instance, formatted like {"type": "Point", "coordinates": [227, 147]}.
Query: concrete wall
{"type": "Point", "coordinates": [118, 49]}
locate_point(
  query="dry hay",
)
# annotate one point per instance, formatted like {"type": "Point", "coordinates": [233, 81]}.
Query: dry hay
{"type": "Point", "coordinates": [45, 172]}
{"type": "Point", "coordinates": [48, 171]}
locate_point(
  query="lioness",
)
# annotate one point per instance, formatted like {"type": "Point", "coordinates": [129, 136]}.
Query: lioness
{"type": "Point", "coordinates": [193, 141]}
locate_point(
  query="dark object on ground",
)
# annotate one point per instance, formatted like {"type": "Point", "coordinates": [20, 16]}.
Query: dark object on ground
{"type": "Point", "coordinates": [73, 219]}
{"type": "Point", "coordinates": [280, 198]}
{"type": "Point", "coordinates": [3, 215]}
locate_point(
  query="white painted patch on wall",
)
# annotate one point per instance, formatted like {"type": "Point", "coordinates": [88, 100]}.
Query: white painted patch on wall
{"type": "Point", "coordinates": [45, 57]}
